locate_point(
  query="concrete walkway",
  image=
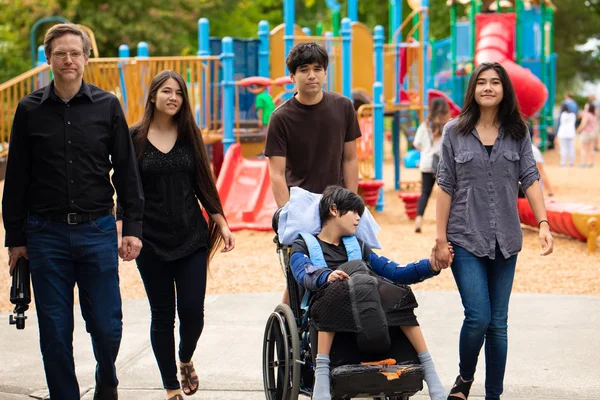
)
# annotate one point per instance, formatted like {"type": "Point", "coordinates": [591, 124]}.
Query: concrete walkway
{"type": "Point", "coordinates": [554, 351]}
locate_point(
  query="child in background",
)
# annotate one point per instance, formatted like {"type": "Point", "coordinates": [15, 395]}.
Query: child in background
{"type": "Point", "coordinates": [264, 105]}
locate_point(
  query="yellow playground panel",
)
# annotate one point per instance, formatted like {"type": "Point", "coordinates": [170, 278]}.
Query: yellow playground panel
{"type": "Point", "coordinates": [111, 74]}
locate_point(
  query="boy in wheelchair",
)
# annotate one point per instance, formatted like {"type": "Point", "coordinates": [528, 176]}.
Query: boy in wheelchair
{"type": "Point", "coordinates": [355, 290]}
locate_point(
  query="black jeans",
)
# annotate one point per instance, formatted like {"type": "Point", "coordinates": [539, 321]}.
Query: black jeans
{"type": "Point", "coordinates": [427, 182]}
{"type": "Point", "coordinates": [162, 279]}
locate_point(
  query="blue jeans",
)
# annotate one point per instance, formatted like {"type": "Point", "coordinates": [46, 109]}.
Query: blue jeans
{"type": "Point", "coordinates": [61, 256]}
{"type": "Point", "coordinates": [485, 286]}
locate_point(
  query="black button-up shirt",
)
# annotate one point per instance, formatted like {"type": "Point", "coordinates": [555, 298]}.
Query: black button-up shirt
{"type": "Point", "coordinates": [60, 158]}
{"type": "Point", "coordinates": [484, 190]}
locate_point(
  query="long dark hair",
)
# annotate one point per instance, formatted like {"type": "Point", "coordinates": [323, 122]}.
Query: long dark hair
{"type": "Point", "coordinates": [189, 133]}
{"type": "Point", "coordinates": [508, 116]}
{"type": "Point", "coordinates": [438, 107]}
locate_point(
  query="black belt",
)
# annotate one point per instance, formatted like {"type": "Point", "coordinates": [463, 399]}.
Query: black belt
{"type": "Point", "coordinates": [74, 218]}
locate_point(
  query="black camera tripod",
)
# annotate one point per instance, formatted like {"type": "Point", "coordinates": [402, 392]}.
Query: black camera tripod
{"type": "Point", "coordinates": [20, 293]}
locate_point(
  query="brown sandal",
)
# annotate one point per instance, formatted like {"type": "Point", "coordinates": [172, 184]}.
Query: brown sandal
{"type": "Point", "coordinates": [187, 380]}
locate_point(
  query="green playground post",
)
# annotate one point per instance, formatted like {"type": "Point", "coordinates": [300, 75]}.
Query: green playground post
{"type": "Point", "coordinates": [319, 29]}
{"type": "Point", "coordinates": [335, 22]}
{"type": "Point", "coordinates": [544, 64]}
{"type": "Point", "coordinates": [498, 8]}
{"type": "Point", "coordinates": [453, 51]}
{"type": "Point", "coordinates": [415, 21]}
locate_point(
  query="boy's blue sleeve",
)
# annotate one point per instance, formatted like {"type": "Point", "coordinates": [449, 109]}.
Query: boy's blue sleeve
{"type": "Point", "coordinates": [407, 274]}
{"type": "Point", "coordinates": [306, 274]}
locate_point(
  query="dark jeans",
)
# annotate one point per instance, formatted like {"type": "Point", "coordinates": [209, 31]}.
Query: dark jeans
{"type": "Point", "coordinates": [485, 286]}
{"type": "Point", "coordinates": [427, 182]}
{"type": "Point", "coordinates": [62, 255]}
{"type": "Point", "coordinates": [185, 277]}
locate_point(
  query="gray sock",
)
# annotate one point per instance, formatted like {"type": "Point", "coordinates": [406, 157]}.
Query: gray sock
{"type": "Point", "coordinates": [435, 387]}
{"type": "Point", "coordinates": [321, 389]}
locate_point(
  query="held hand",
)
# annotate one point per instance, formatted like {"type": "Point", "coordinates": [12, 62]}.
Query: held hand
{"type": "Point", "coordinates": [442, 255]}
{"type": "Point", "coordinates": [130, 248]}
{"type": "Point", "coordinates": [546, 240]}
{"type": "Point", "coordinates": [14, 253]}
{"type": "Point", "coordinates": [228, 239]}
{"type": "Point", "coordinates": [337, 274]}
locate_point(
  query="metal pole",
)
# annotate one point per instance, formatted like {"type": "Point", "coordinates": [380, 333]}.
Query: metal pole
{"type": "Point", "coordinates": [263, 53]}
{"type": "Point", "coordinates": [551, 79]}
{"type": "Point", "coordinates": [331, 68]}
{"type": "Point", "coordinates": [123, 53]}
{"type": "Point", "coordinates": [353, 10]}
{"type": "Point", "coordinates": [425, 44]}
{"type": "Point", "coordinates": [289, 15]}
{"type": "Point", "coordinates": [379, 39]}
{"type": "Point", "coordinates": [204, 109]}
{"type": "Point", "coordinates": [544, 64]}
{"type": "Point", "coordinates": [453, 49]}
{"type": "Point", "coordinates": [203, 37]}
{"type": "Point", "coordinates": [346, 32]}
{"type": "Point", "coordinates": [378, 138]}
{"type": "Point", "coordinates": [398, 23]}
{"type": "Point", "coordinates": [519, 44]}
{"type": "Point", "coordinates": [472, 18]}
{"type": "Point", "coordinates": [142, 50]}
{"type": "Point", "coordinates": [228, 85]}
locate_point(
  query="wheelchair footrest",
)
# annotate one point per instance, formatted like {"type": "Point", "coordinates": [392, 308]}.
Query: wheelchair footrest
{"type": "Point", "coordinates": [349, 381]}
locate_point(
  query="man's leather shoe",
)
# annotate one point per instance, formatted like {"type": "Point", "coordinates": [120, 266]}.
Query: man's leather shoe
{"type": "Point", "coordinates": [105, 393]}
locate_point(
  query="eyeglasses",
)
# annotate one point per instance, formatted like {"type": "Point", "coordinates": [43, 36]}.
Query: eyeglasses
{"type": "Point", "coordinates": [63, 54]}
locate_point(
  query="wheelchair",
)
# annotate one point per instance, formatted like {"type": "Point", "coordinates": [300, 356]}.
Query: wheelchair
{"type": "Point", "coordinates": [289, 351]}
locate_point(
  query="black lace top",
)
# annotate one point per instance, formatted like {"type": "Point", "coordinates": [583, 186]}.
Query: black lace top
{"type": "Point", "coordinates": [173, 225]}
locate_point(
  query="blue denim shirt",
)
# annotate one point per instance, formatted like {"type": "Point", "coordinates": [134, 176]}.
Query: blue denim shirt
{"type": "Point", "coordinates": [484, 190]}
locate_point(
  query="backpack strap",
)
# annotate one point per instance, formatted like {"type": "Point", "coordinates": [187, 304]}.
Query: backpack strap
{"type": "Point", "coordinates": [314, 250]}
{"type": "Point", "coordinates": [353, 248]}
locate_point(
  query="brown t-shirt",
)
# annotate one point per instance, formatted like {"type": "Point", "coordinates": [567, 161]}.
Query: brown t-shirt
{"type": "Point", "coordinates": [312, 139]}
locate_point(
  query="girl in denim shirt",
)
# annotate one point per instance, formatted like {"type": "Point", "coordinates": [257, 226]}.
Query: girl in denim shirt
{"type": "Point", "coordinates": [485, 153]}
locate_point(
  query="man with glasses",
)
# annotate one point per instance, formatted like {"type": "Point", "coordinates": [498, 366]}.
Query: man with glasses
{"type": "Point", "coordinates": [57, 209]}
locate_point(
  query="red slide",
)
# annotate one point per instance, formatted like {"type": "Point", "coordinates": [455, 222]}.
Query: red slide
{"type": "Point", "coordinates": [496, 43]}
{"type": "Point", "coordinates": [245, 190]}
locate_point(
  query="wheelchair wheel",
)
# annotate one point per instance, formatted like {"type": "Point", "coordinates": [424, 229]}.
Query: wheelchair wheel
{"type": "Point", "coordinates": [281, 355]}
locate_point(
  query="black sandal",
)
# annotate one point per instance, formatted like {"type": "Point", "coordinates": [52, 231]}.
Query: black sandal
{"type": "Point", "coordinates": [461, 387]}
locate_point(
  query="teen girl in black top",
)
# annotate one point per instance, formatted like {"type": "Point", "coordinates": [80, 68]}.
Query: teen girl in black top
{"type": "Point", "coordinates": [177, 240]}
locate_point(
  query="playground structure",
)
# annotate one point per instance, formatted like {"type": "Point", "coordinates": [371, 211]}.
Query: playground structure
{"type": "Point", "coordinates": [519, 34]}
{"type": "Point", "coordinates": [399, 76]}
{"type": "Point", "coordinates": [580, 221]}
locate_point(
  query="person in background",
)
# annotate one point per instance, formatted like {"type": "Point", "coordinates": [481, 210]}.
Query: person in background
{"type": "Point", "coordinates": [587, 135]}
{"type": "Point", "coordinates": [566, 135]}
{"type": "Point", "coordinates": [264, 105]}
{"type": "Point", "coordinates": [428, 141]}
